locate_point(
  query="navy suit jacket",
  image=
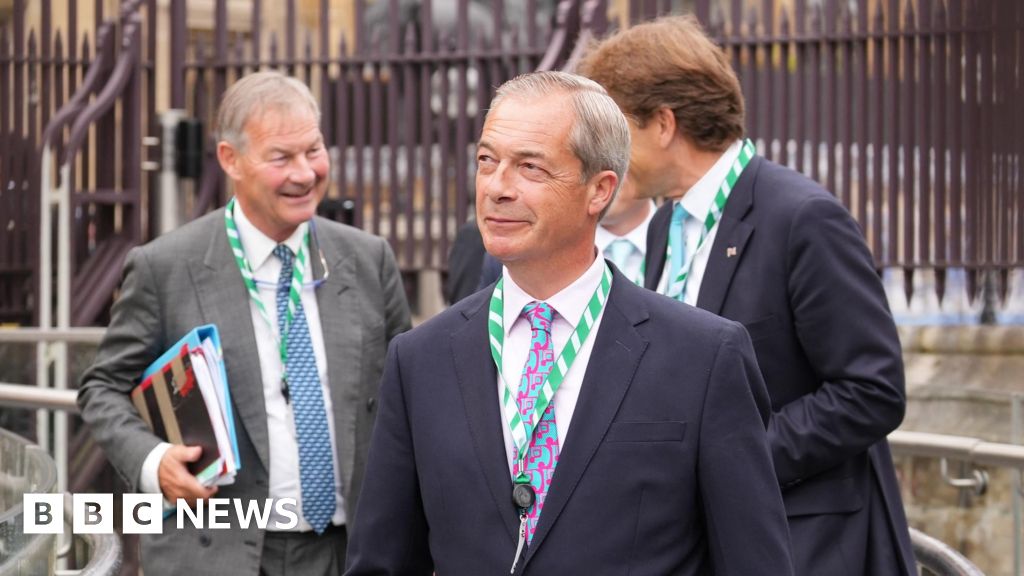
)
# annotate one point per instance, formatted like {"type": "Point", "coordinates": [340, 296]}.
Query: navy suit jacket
{"type": "Point", "coordinates": [664, 471]}
{"type": "Point", "coordinates": [790, 263]}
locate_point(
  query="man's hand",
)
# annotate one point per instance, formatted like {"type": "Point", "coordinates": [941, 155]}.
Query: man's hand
{"type": "Point", "coordinates": [175, 479]}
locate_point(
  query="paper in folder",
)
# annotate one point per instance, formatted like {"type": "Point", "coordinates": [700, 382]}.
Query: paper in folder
{"type": "Point", "coordinates": [184, 397]}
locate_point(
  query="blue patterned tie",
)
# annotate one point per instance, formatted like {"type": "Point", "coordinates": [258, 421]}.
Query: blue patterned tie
{"type": "Point", "coordinates": [316, 464]}
{"type": "Point", "coordinates": [677, 245]}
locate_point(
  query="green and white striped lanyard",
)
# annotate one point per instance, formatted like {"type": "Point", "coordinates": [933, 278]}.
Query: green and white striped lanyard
{"type": "Point", "coordinates": [677, 288]}
{"type": "Point", "coordinates": [522, 431]}
{"type": "Point", "coordinates": [293, 293]}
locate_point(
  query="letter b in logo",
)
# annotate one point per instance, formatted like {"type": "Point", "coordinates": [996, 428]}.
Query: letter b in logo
{"type": "Point", "coordinates": [94, 513]}
{"type": "Point", "coordinates": [43, 513]}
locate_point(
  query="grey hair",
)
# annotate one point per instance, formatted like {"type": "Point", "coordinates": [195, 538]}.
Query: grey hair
{"type": "Point", "coordinates": [600, 135]}
{"type": "Point", "coordinates": [255, 94]}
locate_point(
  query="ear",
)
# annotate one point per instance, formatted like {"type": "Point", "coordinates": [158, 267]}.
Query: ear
{"type": "Point", "coordinates": [229, 158]}
{"type": "Point", "coordinates": [665, 120]}
{"type": "Point", "coordinates": [601, 189]}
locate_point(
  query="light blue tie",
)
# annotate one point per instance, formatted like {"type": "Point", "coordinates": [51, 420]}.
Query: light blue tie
{"type": "Point", "coordinates": [677, 244]}
{"type": "Point", "coordinates": [316, 464]}
{"type": "Point", "coordinates": [619, 252]}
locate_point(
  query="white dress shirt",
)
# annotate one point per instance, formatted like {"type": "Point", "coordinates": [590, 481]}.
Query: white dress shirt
{"type": "Point", "coordinates": [284, 451]}
{"type": "Point", "coordinates": [633, 266]}
{"type": "Point", "coordinates": [568, 306]}
{"type": "Point", "coordinates": [697, 202]}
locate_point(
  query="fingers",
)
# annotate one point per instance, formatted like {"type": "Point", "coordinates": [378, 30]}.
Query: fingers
{"type": "Point", "coordinates": [175, 479]}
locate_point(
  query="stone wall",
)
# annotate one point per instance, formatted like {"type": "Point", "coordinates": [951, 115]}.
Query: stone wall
{"type": "Point", "coordinates": [960, 381]}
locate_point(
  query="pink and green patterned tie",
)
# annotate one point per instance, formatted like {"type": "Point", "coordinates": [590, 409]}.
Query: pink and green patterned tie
{"type": "Point", "coordinates": [543, 454]}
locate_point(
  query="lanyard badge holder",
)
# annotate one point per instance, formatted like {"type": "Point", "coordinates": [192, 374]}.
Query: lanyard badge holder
{"type": "Point", "coordinates": [521, 430]}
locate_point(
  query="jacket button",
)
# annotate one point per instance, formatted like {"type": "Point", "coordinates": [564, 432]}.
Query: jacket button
{"type": "Point", "coordinates": [204, 540]}
{"type": "Point", "coordinates": [370, 404]}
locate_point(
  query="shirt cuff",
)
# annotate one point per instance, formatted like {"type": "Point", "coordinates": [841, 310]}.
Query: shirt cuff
{"type": "Point", "coordinates": [149, 477]}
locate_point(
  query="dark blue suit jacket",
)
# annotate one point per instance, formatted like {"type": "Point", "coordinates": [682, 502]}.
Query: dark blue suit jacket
{"type": "Point", "coordinates": [665, 470]}
{"type": "Point", "coordinates": [790, 263]}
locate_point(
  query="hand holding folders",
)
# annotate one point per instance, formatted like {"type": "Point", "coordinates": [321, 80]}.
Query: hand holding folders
{"type": "Point", "coordinates": [185, 400]}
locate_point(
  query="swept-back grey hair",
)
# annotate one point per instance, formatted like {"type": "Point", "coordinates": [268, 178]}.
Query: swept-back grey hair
{"type": "Point", "coordinates": [600, 135]}
{"type": "Point", "coordinates": [255, 94]}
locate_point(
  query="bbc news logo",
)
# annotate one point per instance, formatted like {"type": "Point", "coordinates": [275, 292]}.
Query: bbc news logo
{"type": "Point", "coordinates": [144, 513]}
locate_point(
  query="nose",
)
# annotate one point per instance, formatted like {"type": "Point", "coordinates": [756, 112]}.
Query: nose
{"type": "Point", "coordinates": [302, 172]}
{"type": "Point", "coordinates": [495, 186]}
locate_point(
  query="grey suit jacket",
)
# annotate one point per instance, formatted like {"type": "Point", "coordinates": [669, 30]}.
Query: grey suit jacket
{"type": "Point", "coordinates": [189, 278]}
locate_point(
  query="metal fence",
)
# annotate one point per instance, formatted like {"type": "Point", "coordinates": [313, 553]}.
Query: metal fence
{"type": "Point", "coordinates": [91, 96]}
{"type": "Point", "coordinates": [401, 105]}
{"type": "Point", "coordinates": [903, 108]}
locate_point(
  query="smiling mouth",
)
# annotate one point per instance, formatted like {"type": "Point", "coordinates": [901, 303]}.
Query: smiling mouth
{"type": "Point", "coordinates": [297, 193]}
{"type": "Point", "coordinates": [498, 220]}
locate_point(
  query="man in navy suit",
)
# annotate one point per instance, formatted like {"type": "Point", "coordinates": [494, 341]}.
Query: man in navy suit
{"type": "Point", "coordinates": [786, 259]}
{"type": "Point", "coordinates": [623, 433]}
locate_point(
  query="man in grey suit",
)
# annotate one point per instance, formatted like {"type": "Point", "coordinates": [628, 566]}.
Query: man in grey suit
{"type": "Point", "coordinates": [304, 409]}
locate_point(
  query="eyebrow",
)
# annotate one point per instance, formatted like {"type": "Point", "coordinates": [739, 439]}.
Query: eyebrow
{"type": "Point", "coordinates": [517, 154]}
{"type": "Point", "coordinates": [283, 150]}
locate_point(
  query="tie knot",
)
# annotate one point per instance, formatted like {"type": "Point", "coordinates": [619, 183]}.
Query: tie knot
{"type": "Point", "coordinates": [619, 251]}
{"type": "Point", "coordinates": [284, 253]}
{"type": "Point", "coordinates": [284, 280]}
{"type": "Point", "coordinates": [540, 315]}
{"type": "Point", "coordinates": [679, 213]}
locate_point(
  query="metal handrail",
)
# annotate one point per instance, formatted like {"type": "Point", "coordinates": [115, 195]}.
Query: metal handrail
{"type": "Point", "coordinates": [937, 558]}
{"type": "Point", "coordinates": [37, 335]}
{"type": "Point", "coordinates": [105, 556]}
{"type": "Point", "coordinates": [107, 97]}
{"type": "Point", "coordinates": [33, 397]}
{"type": "Point", "coordinates": [29, 396]}
{"type": "Point", "coordinates": [69, 112]}
{"type": "Point", "coordinates": [961, 448]}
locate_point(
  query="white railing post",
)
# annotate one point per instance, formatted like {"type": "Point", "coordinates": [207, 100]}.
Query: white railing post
{"type": "Point", "coordinates": [1016, 424]}
{"type": "Point", "coordinates": [171, 214]}
{"type": "Point", "coordinates": [45, 289]}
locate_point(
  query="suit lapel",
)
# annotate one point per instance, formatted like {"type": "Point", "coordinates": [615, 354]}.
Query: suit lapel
{"type": "Point", "coordinates": [730, 241]}
{"type": "Point", "coordinates": [657, 242]}
{"type": "Point", "coordinates": [478, 382]}
{"type": "Point", "coordinates": [342, 329]}
{"type": "Point", "coordinates": [613, 362]}
{"type": "Point", "coordinates": [225, 303]}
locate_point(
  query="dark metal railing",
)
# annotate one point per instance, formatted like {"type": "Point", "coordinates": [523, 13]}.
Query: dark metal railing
{"type": "Point", "coordinates": [905, 109]}
{"type": "Point", "coordinates": [99, 93]}
{"type": "Point", "coordinates": [402, 102]}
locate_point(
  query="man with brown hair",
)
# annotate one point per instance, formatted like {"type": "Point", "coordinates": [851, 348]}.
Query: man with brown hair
{"type": "Point", "coordinates": [760, 244]}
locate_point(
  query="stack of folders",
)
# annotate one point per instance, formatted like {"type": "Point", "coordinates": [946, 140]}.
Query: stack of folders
{"type": "Point", "coordinates": [184, 398]}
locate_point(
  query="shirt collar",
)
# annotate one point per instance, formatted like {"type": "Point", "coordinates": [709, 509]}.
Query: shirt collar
{"type": "Point", "coordinates": [257, 245]}
{"type": "Point", "coordinates": [637, 236]}
{"type": "Point", "coordinates": [569, 303]}
{"type": "Point", "coordinates": [697, 200]}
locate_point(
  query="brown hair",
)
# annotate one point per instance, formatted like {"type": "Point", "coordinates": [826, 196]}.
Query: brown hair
{"type": "Point", "coordinates": [671, 63]}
